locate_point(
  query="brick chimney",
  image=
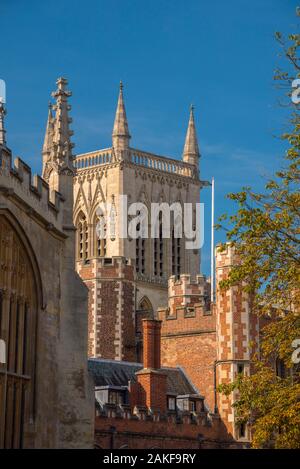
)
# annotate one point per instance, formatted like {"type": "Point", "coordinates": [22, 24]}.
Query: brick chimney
{"type": "Point", "coordinates": [151, 345]}
{"type": "Point", "coordinates": [151, 380]}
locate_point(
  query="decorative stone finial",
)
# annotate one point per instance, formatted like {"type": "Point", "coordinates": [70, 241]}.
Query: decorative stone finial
{"type": "Point", "coordinates": [120, 135]}
{"type": "Point", "coordinates": [2, 127]}
{"type": "Point", "coordinates": [57, 148]}
{"type": "Point", "coordinates": [191, 150]}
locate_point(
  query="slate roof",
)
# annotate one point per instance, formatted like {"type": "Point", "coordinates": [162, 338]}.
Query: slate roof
{"type": "Point", "coordinates": [117, 373]}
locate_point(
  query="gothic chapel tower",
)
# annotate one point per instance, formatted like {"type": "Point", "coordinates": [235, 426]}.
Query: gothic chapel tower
{"type": "Point", "coordinates": [102, 176]}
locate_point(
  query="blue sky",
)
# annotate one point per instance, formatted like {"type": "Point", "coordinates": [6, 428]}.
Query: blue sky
{"type": "Point", "coordinates": [218, 55]}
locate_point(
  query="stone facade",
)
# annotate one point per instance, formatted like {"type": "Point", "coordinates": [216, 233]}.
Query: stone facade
{"type": "Point", "coordinates": [102, 176]}
{"type": "Point", "coordinates": [140, 304]}
{"type": "Point", "coordinates": [130, 280]}
{"type": "Point", "coordinates": [46, 395]}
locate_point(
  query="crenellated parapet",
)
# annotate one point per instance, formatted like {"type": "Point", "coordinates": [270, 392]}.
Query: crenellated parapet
{"type": "Point", "coordinates": [17, 181]}
{"type": "Point", "coordinates": [143, 413]}
{"type": "Point", "coordinates": [187, 296]}
{"type": "Point", "coordinates": [142, 428]}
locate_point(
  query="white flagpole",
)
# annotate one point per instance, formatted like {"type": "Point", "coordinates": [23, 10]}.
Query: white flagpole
{"type": "Point", "coordinates": [212, 276]}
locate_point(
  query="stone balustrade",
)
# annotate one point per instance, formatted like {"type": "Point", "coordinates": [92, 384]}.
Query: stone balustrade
{"type": "Point", "coordinates": [139, 158]}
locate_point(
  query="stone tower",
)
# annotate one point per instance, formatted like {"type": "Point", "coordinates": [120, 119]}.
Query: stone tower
{"type": "Point", "coordinates": [102, 177]}
{"type": "Point", "coordinates": [237, 329]}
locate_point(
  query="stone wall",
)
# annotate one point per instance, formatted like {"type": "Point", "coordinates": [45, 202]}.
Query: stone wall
{"type": "Point", "coordinates": [63, 398]}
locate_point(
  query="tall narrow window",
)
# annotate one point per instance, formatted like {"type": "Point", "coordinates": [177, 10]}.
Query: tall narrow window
{"type": "Point", "coordinates": [176, 254]}
{"type": "Point", "coordinates": [100, 236]}
{"type": "Point", "coordinates": [1, 302]}
{"type": "Point", "coordinates": [82, 238]}
{"type": "Point", "coordinates": [159, 250]}
{"type": "Point", "coordinates": [140, 246]}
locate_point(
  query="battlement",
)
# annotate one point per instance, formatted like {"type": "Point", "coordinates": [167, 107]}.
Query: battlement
{"type": "Point", "coordinates": [186, 285]}
{"type": "Point", "coordinates": [140, 428]}
{"type": "Point", "coordinates": [188, 297]}
{"type": "Point", "coordinates": [116, 267]}
{"type": "Point", "coordinates": [116, 261]}
{"type": "Point", "coordinates": [226, 257]}
{"type": "Point", "coordinates": [187, 279]}
{"type": "Point", "coordinates": [18, 181]}
{"type": "Point", "coordinates": [143, 413]}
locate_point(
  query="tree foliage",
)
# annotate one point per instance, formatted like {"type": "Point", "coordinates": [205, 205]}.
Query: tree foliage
{"type": "Point", "coordinates": [265, 231]}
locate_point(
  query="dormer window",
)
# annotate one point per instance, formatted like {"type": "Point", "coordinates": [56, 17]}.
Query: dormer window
{"type": "Point", "coordinates": [171, 403]}
{"type": "Point", "coordinates": [190, 403]}
{"type": "Point", "coordinates": [116, 397]}
{"type": "Point", "coordinates": [185, 404]}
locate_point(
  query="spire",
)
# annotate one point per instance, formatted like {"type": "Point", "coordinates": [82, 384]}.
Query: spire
{"type": "Point", "coordinates": [57, 148]}
{"type": "Point", "coordinates": [48, 140]}
{"type": "Point", "coordinates": [2, 129]}
{"type": "Point", "coordinates": [191, 149]}
{"type": "Point", "coordinates": [61, 133]}
{"type": "Point", "coordinates": [120, 135]}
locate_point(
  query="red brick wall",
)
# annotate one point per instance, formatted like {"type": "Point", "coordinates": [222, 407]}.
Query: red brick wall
{"type": "Point", "coordinates": [189, 336]}
{"type": "Point", "coordinates": [128, 329]}
{"type": "Point", "coordinates": [86, 272]}
{"type": "Point", "coordinates": [107, 319]}
{"type": "Point", "coordinates": [111, 319]}
{"type": "Point", "coordinates": [196, 354]}
{"type": "Point", "coordinates": [153, 389]}
{"type": "Point", "coordinates": [135, 433]}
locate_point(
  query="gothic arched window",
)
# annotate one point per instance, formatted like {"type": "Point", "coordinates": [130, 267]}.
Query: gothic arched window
{"type": "Point", "coordinates": [176, 254]}
{"type": "Point", "coordinates": [82, 237]}
{"type": "Point", "coordinates": [100, 232]}
{"type": "Point", "coordinates": [18, 326]}
{"type": "Point", "coordinates": [140, 250]}
{"type": "Point", "coordinates": [140, 254]}
{"type": "Point", "coordinates": [159, 250]}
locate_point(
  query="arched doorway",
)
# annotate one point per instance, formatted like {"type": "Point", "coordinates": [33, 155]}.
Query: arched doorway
{"type": "Point", "coordinates": [18, 329]}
